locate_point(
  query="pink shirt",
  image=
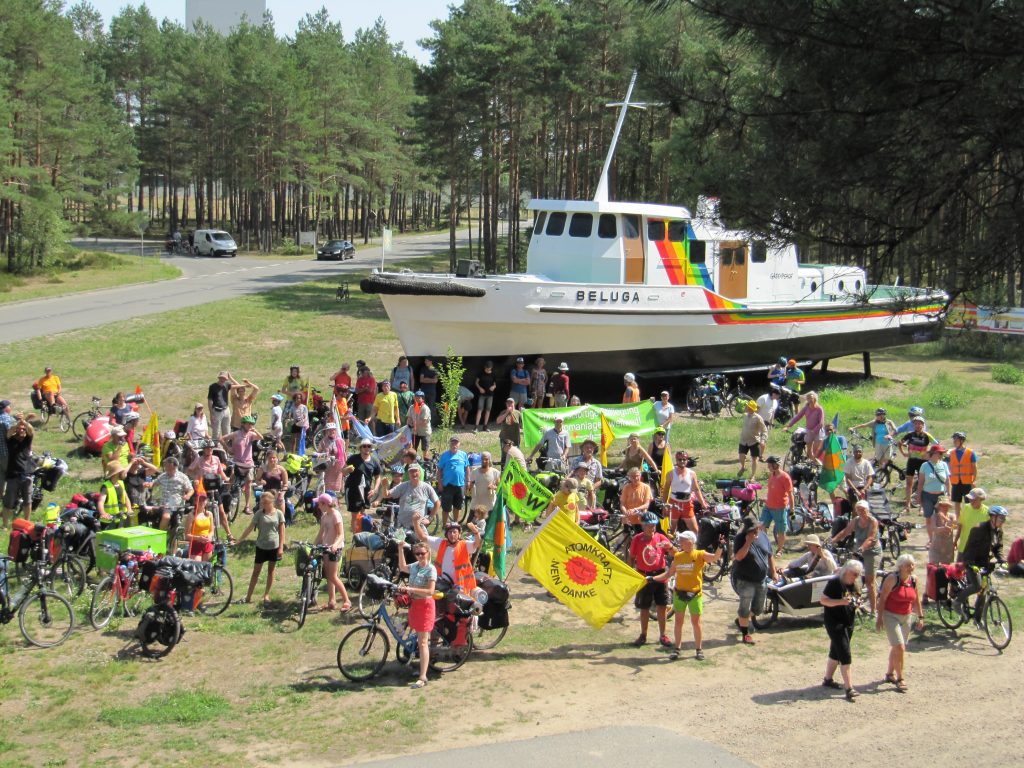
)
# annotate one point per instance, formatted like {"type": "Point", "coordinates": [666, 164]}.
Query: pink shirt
{"type": "Point", "coordinates": [779, 488]}
{"type": "Point", "coordinates": [241, 447]}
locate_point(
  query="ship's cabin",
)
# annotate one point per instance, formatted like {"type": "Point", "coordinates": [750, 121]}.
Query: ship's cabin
{"type": "Point", "coordinates": [617, 243]}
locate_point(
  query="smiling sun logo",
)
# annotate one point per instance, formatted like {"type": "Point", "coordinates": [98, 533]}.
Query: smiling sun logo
{"type": "Point", "coordinates": [581, 570]}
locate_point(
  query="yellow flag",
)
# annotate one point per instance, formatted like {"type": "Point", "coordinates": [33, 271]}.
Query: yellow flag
{"type": "Point", "coordinates": [607, 438]}
{"type": "Point", "coordinates": [584, 576]}
{"type": "Point", "coordinates": [666, 467]}
{"type": "Point", "coordinates": [151, 437]}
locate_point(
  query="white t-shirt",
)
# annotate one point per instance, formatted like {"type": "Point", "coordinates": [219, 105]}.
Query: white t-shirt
{"type": "Point", "coordinates": [448, 564]}
{"type": "Point", "coordinates": [277, 421]}
{"type": "Point", "coordinates": [766, 407]}
{"type": "Point", "coordinates": [663, 412]}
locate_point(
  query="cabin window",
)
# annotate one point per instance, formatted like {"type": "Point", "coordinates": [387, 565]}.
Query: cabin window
{"type": "Point", "coordinates": [740, 257]}
{"type": "Point", "coordinates": [656, 231]}
{"type": "Point", "coordinates": [539, 226]}
{"type": "Point", "coordinates": [631, 227]}
{"type": "Point", "coordinates": [726, 257]}
{"type": "Point", "coordinates": [857, 285]}
{"type": "Point", "coordinates": [814, 287]}
{"type": "Point", "coordinates": [556, 224]}
{"type": "Point", "coordinates": [698, 251]}
{"type": "Point", "coordinates": [842, 285]}
{"type": "Point", "coordinates": [582, 225]}
{"type": "Point", "coordinates": [677, 231]}
{"type": "Point", "coordinates": [759, 252]}
{"type": "Point", "coordinates": [606, 226]}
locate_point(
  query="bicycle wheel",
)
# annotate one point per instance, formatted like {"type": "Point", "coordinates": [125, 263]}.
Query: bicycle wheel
{"type": "Point", "coordinates": [159, 631]}
{"type": "Point", "coordinates": [714, 571]}
{"type": "Point", "coordinates": [998, 624]}
{"type": "Point", "coordinates": [305, 598]}
{"type": "Point", "coordinates": [769, 616]}
{"type": "Point", "coordinates": [217, 596]}
{"type": "Point", "coordinates": [692, 400]}
{"type": "Point", "coordinates": [892, 543]}
{"type": "Point", "coordinates": [67, 577]}
{"type": "Point", "coordinates": [362, 652]}
{"type": "Point", "coordinates": [81, 423]}
{"type": "Point", "coordinates": [486, 639]}
{"type": "Point", "coordinates": [445, 657]}
{"type": "Point", "coordinates": [949, 615]}
{"type": "Point", "coordinates": [105, 599]}
{"type": "Point", "coordinates": [234, 504]}
{"type": "Point", "coordinates": [368, 606]}
{"type": "Point", "coordinates": [46, 619]}
{"type": "Point", "coordinates": [65, 421]}
{"type": "Point", "coordinates": [883, 476]}
{"type": "Point", "coordinates": [825, 515]}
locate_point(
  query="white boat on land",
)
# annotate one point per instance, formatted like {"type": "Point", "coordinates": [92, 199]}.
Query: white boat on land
{"type": "Point", "coordinates": [620, 286]}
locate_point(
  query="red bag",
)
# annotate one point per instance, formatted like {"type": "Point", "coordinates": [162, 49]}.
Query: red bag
{"type": "Point", "coordinates": [956, 571]}
{"type": "Point", "coordinates": [932, 586]}
{"type": "Point", "coordinates": [19, 546]}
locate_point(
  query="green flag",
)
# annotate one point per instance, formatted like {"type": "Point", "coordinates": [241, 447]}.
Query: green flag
{"type": "Point", "coordinates": [496, 539]}
{"type": "Point", "coordinates": [832, 461]}
{"type": "Point", "coordinates": [524, 495]}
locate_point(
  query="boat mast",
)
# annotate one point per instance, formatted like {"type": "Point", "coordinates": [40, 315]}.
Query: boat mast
{"type": "Point", "coordinates": [601, 195]}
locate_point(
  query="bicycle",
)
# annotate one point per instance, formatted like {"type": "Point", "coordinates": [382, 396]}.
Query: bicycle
{"type": "Point", "coordinates": [809, 511]}
{"type": "Point", "coordinates": [81, 422]}
{"type": "Point", "coordinates": [119, 589]}
{"type": "Point", "coordinates": [218, 593]}
{"type": "Point", "coordinates": [363, 652]}
{"type": "Point", "coordinates": [309, 565]}
{"type": "Point", "coordinates": [44, 411]}
{"type": "Point", "coordinates": [797, 447]}
{"type": "Point", "coordinates": [735, 396]}
{"type": "Point", "coordinates": [995, 616]}
{"type": "Point", "coordinates": [45, 618]}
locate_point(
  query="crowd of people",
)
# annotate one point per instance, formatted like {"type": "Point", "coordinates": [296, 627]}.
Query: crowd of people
{"type": "Point", "coordinates": [942, 481]}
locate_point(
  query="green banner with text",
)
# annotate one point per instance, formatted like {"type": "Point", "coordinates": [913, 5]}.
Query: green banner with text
{"type": "Point", "coordinates": [583, 422]}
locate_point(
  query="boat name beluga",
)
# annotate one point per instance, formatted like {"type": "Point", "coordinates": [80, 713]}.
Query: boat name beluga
{"type": "Point", "coordinates": [623, 297]}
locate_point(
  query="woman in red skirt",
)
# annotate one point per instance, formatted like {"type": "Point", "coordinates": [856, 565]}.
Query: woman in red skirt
{"type": "Point", "coordinates": [422, 581]}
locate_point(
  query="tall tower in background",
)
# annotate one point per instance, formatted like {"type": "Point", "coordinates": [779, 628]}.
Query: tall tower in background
{"type": "Point", "coordinates": [222, 15]}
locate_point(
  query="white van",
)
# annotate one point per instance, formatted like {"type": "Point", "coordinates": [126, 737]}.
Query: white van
{"type": "Point", "coordinates": [214, 242]}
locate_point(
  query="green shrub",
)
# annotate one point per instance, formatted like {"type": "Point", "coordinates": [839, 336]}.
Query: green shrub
{"type": "Point", "coordinates": [945, 393]}
{"type": "Point", "coordinates": [291, 249]}
{"type": "Point", "coordinates": [1004, 373]}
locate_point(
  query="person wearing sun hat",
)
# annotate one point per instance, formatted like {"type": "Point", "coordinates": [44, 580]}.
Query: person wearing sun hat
{"type": "Point", "coordinates": [560, 385]}
{"type": "Point", "coordinates": [753, 436]}
{"type": "Point", "coordinates": [588, 460]}
{"type": "Point", "coordinates": [933, 482]}
{"type": "Point", "coordinates": [816, 561]}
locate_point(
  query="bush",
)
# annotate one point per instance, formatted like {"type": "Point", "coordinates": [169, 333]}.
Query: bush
{"type": "Point", "coordinates": [945, 393]}
{"type": "Point", "coordinates": [1004, 373]}
{"type": "Point", "coordinates": [976, 344]}
{"type": "Point", "coordinates": [291, 249]}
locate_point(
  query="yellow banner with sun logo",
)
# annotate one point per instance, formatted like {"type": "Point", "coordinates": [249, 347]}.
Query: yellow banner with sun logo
{"type": "Point", "coordinates": [583, 575]}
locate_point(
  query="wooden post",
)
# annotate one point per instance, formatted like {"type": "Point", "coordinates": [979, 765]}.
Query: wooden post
{"type": "Point", "coordinates": [867, 365]}
{"type": "Point", "coordinates": [824, 365]}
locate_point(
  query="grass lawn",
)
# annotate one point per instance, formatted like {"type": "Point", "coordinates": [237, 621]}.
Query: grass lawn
{"type": "Point", "coordinates": [85, 271]}
{"type": "Point", "coordinates": [247, 688]}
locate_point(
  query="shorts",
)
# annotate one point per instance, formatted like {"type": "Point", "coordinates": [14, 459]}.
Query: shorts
{"type": "Point", "coordinates": [422, 613]}
{"type": "Point", "coordinates": [914, 466]}
{"type": "Point", "coordinates": [958, 491]}
{"type": "Point", "coordinates": [695, 604]}
{"type": "Point", "coordinates": [266, 555]}
{"type": "Point", "coordinates": [778, 516]}
{"type": "Point", "coordinates": [519, 398]}
{"type": "Point", "coordinates": [18, 491]}
{"type": "Point", "coordinates": [655, 592]}
{"type": "Point", "coordinates": [680, 508]}
{"type": "Point", "coordinates": [452, 498]}
{"type": "Point", "coordinates": [561, 399]}
{"type": "Point", "coordinates": [754, 449]}
{"type": "Point", "coordinates": [421, 443]}
{"type": "Point", "coordinates": [242, 473]}
{"type": "Point", "coordinates": [839, 646]}
{"type": "Point", "coordinates": [332, 557]}
{"type": "Point", "coordinates": [882, 452]}
{"type": "Point", "coordinates": [752, 596]}
{"type": "Point", "coordinates": [897, 627]}
{"type": "Point", "coordinates": [363, 411]}
{"type": "Point", "coordinates": [928, 502]}
{"type": "Point", "coordinates": [200, 549]}
{"type": "Point", "coordinates": [870, 560]}
{"type": "Point", "coordinates": [354, 500]}
{"type": "Point", "coordinates": [484, 403]}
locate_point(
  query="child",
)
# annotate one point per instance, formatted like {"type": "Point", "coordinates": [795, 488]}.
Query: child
{"type": "Point", "coordinates": [332, 534]}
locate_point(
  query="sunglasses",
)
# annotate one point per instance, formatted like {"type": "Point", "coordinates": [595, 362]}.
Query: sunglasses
{"type": "Point", "coordinates": [421, 553]}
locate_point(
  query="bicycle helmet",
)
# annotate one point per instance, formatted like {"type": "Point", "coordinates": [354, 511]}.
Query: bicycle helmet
{"type": "Point", "coordinates": [248, 419]}
{"type": "Point", "coordinates": [918, 417]}
{"type": "Point", "coordinates": [208, 444]}
{"type": "Point", "coordinates": [997, 510]}
{"type": "Point", "coordinates": [649, 518]}
{"type": "Point", "coordinates": [916, 410]}
{"type": "Point", "coordinates": [629, 378]}
{"type": "Point", "coordinates": [277, 397]}
{"type": "Point", "coordinates": [880, 412]}
{"type": "Point", "coordinates": [782, 361]}
{"type": "Point", "coordinates": [959, 436]}
{"type": "Point", "coordinates": [452, 524]}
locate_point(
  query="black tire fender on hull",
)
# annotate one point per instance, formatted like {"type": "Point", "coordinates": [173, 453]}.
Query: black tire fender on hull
{"type": "Point", "coordinates": [400, 285]}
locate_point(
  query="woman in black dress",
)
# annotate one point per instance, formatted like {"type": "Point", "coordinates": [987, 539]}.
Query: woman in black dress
{"type": "Point", "coordinates": [839, 599]}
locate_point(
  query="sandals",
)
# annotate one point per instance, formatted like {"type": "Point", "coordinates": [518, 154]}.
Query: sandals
{"type": "Point", "coordinates": [346, 607]}
{"type": "Point", "coordinates": [748, 640]}
{"type": "Point", "coordinates": [828, 682]}
{"type": "Point", "coordinates": [891, 678]}
{"type": "Point", "coordinates": [421, 683]}
{"type": "Point", "coordinates": [665, 642]}
{"type": "Point", "coordinates": [851, 694]}
{"type": "Point", "coordinates": [699, 655]}
{"type": "Point", "coordinates": [901, 686]}
{"type": "Point", "coordinates": [640, 641]}
{"type": "Point", "coordinates": [674, 656]}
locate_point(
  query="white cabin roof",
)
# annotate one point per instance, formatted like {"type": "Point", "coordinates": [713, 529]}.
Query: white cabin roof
{"type": "Point", "coordinates": [590, 206]}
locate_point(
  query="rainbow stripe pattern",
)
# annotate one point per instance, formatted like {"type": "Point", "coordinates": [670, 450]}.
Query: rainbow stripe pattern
{"type": "Point", "coordinates": [675, 257]}
{"type": "Point", "coordinates": [739, 314]}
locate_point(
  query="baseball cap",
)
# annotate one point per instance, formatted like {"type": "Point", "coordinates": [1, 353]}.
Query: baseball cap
{"type": "Point", "coordinates": [520, 360]}
{"type": "Point", "coordinates": [419, 393]}
{"type": "Point", "coordinates": [4, 403]}
{"type": "Point", "coordinates": [325, 498]}
{"type": "Point", "coordinates": [689, 536]}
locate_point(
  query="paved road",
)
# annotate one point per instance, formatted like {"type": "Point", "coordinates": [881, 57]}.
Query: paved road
{"type": "Point", "coordinates": [204, 280]}
{"type": "Point", "coordinates": [612, 746]}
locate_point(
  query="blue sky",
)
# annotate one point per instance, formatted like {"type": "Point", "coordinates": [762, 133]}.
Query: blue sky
{"type": "Point", "coordinates": [407, 20]}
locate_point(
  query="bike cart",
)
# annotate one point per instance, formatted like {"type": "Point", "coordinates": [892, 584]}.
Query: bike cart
{"type": "Point", "coordinates": [799, 598]}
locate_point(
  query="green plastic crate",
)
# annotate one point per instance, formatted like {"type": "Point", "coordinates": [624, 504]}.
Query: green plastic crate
{"type": "Point", "coordinates": [139, 537]}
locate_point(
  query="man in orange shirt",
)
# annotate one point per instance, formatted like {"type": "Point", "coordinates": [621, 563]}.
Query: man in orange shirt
{"type": "Point", "coordinates": [778, 502]}
{"type": "Point", "coordinates": [632, 393]}
{"type": "Point", "coordinates": [342, 380]}
{"type": "Point", "coordinates": [49, 389]}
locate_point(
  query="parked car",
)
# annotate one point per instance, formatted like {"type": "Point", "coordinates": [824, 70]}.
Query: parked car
{"type": "Point", "coordinates": [214, 242]}
{"type": "Point", "coordinates": [337, 250]}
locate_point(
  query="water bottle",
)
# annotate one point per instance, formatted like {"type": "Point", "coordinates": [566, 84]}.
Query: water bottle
{"type": "Point", "coordinates": [19, 595]}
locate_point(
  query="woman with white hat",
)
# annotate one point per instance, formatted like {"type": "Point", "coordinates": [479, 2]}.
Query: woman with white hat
{"type": "Point", "coordinates": [816, 561]}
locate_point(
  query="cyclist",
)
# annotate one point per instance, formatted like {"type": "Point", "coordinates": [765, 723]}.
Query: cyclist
{"type": "Point", "coordinates": [914, 445]}
{"type": "Point", "coordinates": [647, 553]}
{"type": "Point", "coordinates": [814, 416]}
{"type": "Point", "coordinates": [883, 431]}
{"type": "Point", "coordinates": [777, 373]}
{"type": "Point", "coordinates": [208, 469]}
{"type": "Point", "coordinates": [453, 553]}
{"type": "Point", "coordinates": [867, 546]}
{"type": "Point", "coordinates": [908, 425]}
{"type": "Point", "coordinates": [413, 496]}
{"type": "Point", "coordinates": [175, 491]}
{"type": "Point", "coordinates": [963, 469]}
{"type": "Point", "coordinates": [794, 376]}
{"type": "Point", "coordinates": [984, 544]}
{"type": "Point", "coordinates": [688, 567]}
{"type": "Point", "coordinates": [632, 393]}
{"type": "Point", "coordinates": [240, 444]}
{"type": "Point", "coordinates": [49, 389]}
{"type": "Point", "coordinates": [422, 609]}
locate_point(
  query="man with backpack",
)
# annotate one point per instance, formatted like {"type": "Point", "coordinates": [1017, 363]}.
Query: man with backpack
{"type": "Point", "coordinates": [753, 565]}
